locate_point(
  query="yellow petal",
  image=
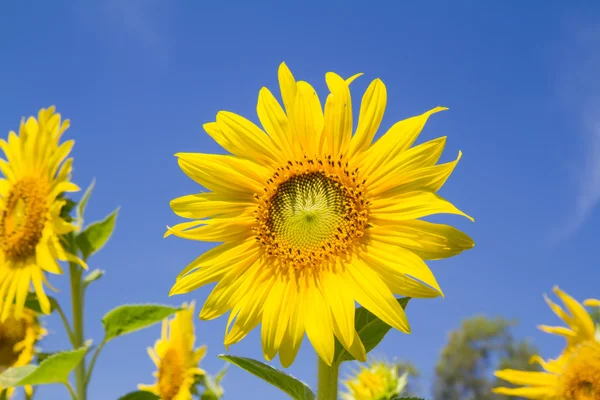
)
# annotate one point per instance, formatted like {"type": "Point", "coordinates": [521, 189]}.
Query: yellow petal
{"type": "Point", "coordinates": [292, 337]}
{"type": "Point", "coordinates": [274, 318]}
{"type": "Point", "coordinates": [412, 206]}
{"type": "Point", "coordinates": [318, 323]}
{"type": "Point", "coordinates": [306, 119]}
{"type": "Point", "coordinates": [592, 303]}
{"type": "Point", "coordinates": [394, 263]}
{"type": "Point", "coordinates": [421, 156]}
{"type": "Point", "coordinates": [557, 330]}
{"type": "Point", "coordinates": [338, 115]}
{"type": "Point", "coordinates": [211, 273]}
{"type": "Point", "coordinates": [428, 240]}
{"type": "Point", "coordinates": [243, 176]}
{"type": "Point", "coordinates": [372, 293]}
{"type": "Point", "coordinates": [205, 205]}
{"type": "Point", "coordinates": [527, 392]}
{"type": "Point", "coordinates": [526, 377]}
{"type": "Point", "coordinates": [287, 85]}
{"type": "Point", "coordinates": [429, 179]}
{"type": "Point", "coordinates": [237, 280]}
{"type": "Point", "coordinates": [582, 320]}
{"type": "Point", "coordinates": [397, 140]}
{"type": "Point", "coordinates": [274, 121]}
{"type": "Point", "coordinates": [222, 254]}
{"type": "Point", "coordinates": [216, 230]}
{"type": "Point", "coordinates": [339, 298]}
{"type": "Point", "coordinates": [246, 139]}
{"type": "Point", "coordinates": [371, 113]}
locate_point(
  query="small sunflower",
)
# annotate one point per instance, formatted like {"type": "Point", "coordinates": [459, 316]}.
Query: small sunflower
{"type": "Point", "coordinates": [575, 374]}
{"type": "Point", "coordinates": [18, 337]}
{"type": "Point", "coordinates": [377, 381]}
{"type": "Point", "coordinates": [175, 358]}
{"type": "Point", "coordinates": [313, 218]}
{"type": "Point", "coordinates": [35, 175]}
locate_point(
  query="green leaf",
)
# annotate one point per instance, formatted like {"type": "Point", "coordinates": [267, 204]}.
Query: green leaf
{"type": "Point", "coordinates": [4, 394]}
{"type": "Point", "coordinates": [54, 369]}
{"type": "Point", "coordinates": [140, 395]}
{"type": "Point", "coordinates": [96, 235]}
{"type": "Point", "coordinates": [281, 380]}
{"type": "Point", "coordinates": [83, 202]}
{"type": "Point", "coordinates": [92, 276]}
{"type": "Point", "coordinates": [33, 303]}
{"type": "Point", "coordinates": [130, 318]}
{"type": "Point", "coordinates": [370, 329]}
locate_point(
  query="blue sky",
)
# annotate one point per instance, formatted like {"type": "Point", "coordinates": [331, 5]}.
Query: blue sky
{"type": "Point", "coordinates": [139, 78]}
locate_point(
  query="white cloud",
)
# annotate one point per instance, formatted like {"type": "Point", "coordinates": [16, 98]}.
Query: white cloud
{"type": "Point", "coordinates": [581, 93]}
{"type": "Point", "coordinates": [138, 18]}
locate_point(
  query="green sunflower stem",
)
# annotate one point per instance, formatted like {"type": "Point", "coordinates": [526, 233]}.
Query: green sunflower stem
{"type": "Point", "coordinates": [78, 338]}
{"type": "Point", "coordinates": [327, 381]}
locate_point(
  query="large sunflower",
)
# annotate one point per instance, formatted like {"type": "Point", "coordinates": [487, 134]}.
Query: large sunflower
{"type": "Point", "coordinates": [35, 175]}
{"type": "Point", "coordinates": [18, 337]}
{"type": "Point", "coordinates": [314, 218]}
{"type": "Point", "coordinates": [575, 374]}
{"type": "Point", "coordinates": [175, 358]}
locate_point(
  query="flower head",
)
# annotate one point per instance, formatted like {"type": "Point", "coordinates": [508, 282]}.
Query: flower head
{"type": "Point", "coordinates": [35, 175]}
{"type": "Point", "coordinates": [377, 381]}
{"type": "Point", "coordinates": [575, 374]}
{"type": "Point", "coordinates": [175, 358]}
{"type": "Point", "coordinates": [18, 337]}
{"type": "Point", "coordinates": [314, 218]}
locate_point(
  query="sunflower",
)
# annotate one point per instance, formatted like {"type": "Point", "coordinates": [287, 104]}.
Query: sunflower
{"type": "Point", "coordinates": [313, 218]}
{"type": "Point", "coordinates": [575, 374]}
{"type": "Point", "coordinates": [36, 175]}
{"type": "Point", "coordinates": [175, 358]}
{"type": "Point", "coordinates": [18, 337]}
{"type": "Point", "coordinates": [377, 381]}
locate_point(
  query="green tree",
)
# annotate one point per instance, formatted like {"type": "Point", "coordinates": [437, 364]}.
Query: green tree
{"type": "Point", "coordinates": [474, 350]}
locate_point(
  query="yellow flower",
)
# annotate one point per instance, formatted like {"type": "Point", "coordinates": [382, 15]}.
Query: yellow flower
{"type": "Point", "coordinates": [175, 358]}
{"type": "Point", "coordinates": [314, 218]}
{"type": "Point", "coordinates": [36, 174]}
{"type": "Point", "coordinates": [377, 381]}
{"type": "Point", "coordinates": [575, 374]}
{"type": "Point", "coordinates": [18, 337]}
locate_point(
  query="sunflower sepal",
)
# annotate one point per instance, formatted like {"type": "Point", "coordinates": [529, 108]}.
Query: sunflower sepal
{"type": "Point", "coordinates": [285, 382]}
{"type": "Point", "coordinates": [93, 276]}
{"type": "Point", "coordinates": [212, 385]}
{"type": "Point", "coordinates": [82, 204]}
{"type": "Point", "coordinates": [370, 329]}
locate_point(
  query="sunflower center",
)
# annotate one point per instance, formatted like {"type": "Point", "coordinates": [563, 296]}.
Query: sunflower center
{"type": "Point", "coordinates": [312, 211]}
{"type": "Point", "coordinates": [12, 331]}
{"type": "Point", "coordinates": [581, 377]}
{"type": "Point", "coordinates": [170, 374]}
{"type": "Point", "coordinates": [23, 218]}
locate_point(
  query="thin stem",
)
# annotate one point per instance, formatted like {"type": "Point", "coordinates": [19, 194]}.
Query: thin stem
{"type": "Point", "coordinates": [68, 385]}
{"type": "Point", "coordinates": [93, 362]}
{"type": "Point", "coordinates": [77, 302]}
{"type": "Point", "coordinates": [327, 385]}
{"type": "Point", "coordinates": [66, 323]}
